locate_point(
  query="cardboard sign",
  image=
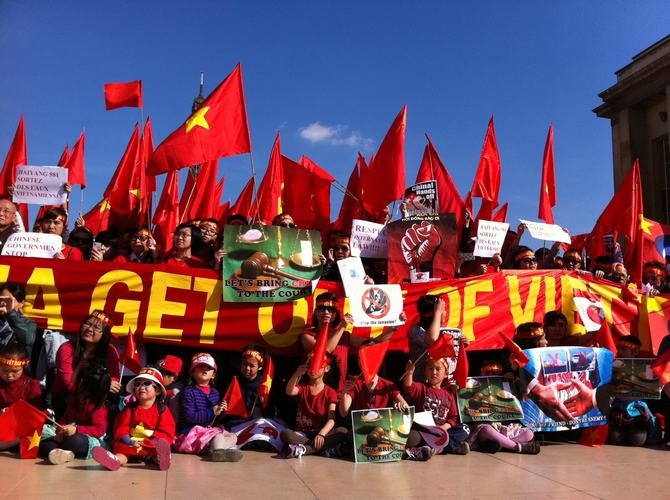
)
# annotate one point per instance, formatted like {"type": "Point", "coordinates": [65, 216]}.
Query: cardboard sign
{"type": "Point", "coordinates": [40, 185]}
{"type": "Point", "coordinates": [380, 434]}
{"type": "Point", "coordinates": [490, 238]}
{"type": "Point", "coordinates": [33, 245]}
{"type": "Point", "coordinates": [269, 263]}
{"type": "Point", "coordinates": [546, 232]}
{"type": "Point", "coordinates": [368, 239]}
{"type": "Point", "coordinates": [632, 378]}
{"type": "Point", "coordinates": [376, 305]}
{"type": "Point", "coordinates": [352, 273]}
{"type": "Point", "coordinates": [488, 399]}
{"type": "Point", "coordinates": [560, 379]}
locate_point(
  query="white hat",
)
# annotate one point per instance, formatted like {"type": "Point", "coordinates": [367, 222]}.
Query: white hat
{"type": "Point", "coordinates": [203, 358]}
{"type": "Point", "coordinates": [148, 374]}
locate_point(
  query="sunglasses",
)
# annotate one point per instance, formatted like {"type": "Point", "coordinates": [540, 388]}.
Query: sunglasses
{"type": "Point", "coordinates": [287, 224]}
{"type": "Point", "coordinates": [143, 383]}
{"type": "Point", "coordinates": [322, 309]}
{"type": "Point", "coordinates": [572, 261]}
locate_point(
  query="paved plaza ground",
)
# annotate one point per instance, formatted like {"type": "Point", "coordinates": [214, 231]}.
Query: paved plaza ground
{"type": "Point", "coordinates": [560, 471]}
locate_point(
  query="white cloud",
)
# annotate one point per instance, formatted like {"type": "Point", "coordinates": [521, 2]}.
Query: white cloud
{"type": "Point", "coordinates": [335, 135]}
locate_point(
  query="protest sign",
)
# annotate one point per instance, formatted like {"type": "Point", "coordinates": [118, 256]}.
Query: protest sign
{"type": "Point", "coordinates": [40, 185]}
{"type": "Point", "coordinates": [427, 245]}
{"type": "Point", "coordinates": [368, 239]}
{"type": "Point", "coordinates": [632, 378]}
{"type": "Point", "coordinates": [565, 387]}
{"type": "Point", "coordinates": [352, 273]}
{"type": "Point", "coordinates": [420, 200]}
{"type": "Point", "coordinates": [269, 263]}
{"type": "Point", "coordinates": [380, 434]}
{"type": "Point", "coordinates": [490, 238]}
{"type": "Point", "coordinates": [40, 245]}
{"type": "Point", "coordinates": [488, 399]}
{"type": "Point", "coordinates": [546, 232]}
{"type": "Point", "coordinates": [376, 305]}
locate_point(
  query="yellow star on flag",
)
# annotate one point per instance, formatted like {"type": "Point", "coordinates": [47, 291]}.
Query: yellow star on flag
{"type": "Point", "coordinates": [135, 192]}
{"type": "Point", "coordinates": [268, 383]}
{"type": "Point", "coordinates": [34, 440]}
{"type": "Point", "coordinates": [104, 206]}
{"type": "Point", "coordinates": [645, 224]}
{"type": "Point", "coordinates": [198, 119]}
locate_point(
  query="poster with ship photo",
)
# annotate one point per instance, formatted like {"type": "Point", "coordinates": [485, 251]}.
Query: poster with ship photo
{"type": "Point", "coordinates": [269, 263]}
{"type": "Point", "coordinates": [380, 434]}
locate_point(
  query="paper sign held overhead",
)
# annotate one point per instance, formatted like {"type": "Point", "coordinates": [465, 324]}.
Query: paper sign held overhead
{"type": "Point", "coordinates": [40, 185]}
{"type": "Point", "coordinates": [546, 232]}
{"type": "Point", "coordinates": [33, 245]}
{"type": "Point", "coordinates": [490, 238]}
{"type": "Point", "coordinates": [368, 239]}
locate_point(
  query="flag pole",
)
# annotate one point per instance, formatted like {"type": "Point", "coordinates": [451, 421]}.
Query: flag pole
{"type": "Point", "coordinates": [254, 188]}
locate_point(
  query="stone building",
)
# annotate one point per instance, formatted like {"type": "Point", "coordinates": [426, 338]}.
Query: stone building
{"type": "Point", "coordinates": [637, 106]}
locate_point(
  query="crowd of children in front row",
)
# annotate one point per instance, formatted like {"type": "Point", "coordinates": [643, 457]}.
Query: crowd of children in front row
{"type": "Point", "coordinates": [159, 415]}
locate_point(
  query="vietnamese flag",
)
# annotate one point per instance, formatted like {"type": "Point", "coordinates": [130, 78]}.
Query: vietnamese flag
{"type": "Point", "coordinates": [487, 179]}
{"type": "Point", "coordinates": [64, 156]}
{"type": "Point", "coordinates": [266, 381]}
{"type": "Point", "coordinates": [384, 181]}
{"type": "Point", "coordinates": [443, 347]}
{"type": "Point", "coordinates": [242, 205]}
{"type": "Point", "coordinates": [604, 338]}
{"type": "Point", "coordinates": [235, 400]}
{"type": "Point", "coordinates": [166, 217]}
{"type": "Point", "coordinates": [218, 128]}
{"type": "Point", "coordinates": [462, 367]}
{"type": "Point", "coordinates": [351, 207]}
{"type": "Point", "coordinates": [271, 189]}
{"type": "Point", "coordinates": [123, 95]}
{"type": "Point", "coordinates": [661, 367]}
{"type": "Point", "coordinates": [432, 168]}
{"type": "Point", "coordinates": [371, 358]}
{"type": "Point", "coordinates": [197, 200]}
{"type": "Point", "coordinates": [131, 357]}
{"type": "Point", "coordinates": [75, 163]}
{"type": "Point", "coordinates": [318, 360]}
{"type": "Point", "coordinates": [548, 184]}
{"type": "Point", "coordinates": [501, 214]}
{"type": "Point", "coordinates": [24, 422]}
{"type": "Point", "coordinates": [16, 156]}
{"type": "Point", "coordinates": [594, 436]}
{"type": "Point", "coordinates": [517, 353]}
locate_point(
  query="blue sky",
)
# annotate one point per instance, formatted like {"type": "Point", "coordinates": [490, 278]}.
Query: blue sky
{"type": "Point", "coordinates": [348, 66]}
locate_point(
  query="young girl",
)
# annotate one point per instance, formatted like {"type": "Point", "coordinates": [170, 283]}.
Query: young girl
{"type": "Point", "coordinates": [85, 421]}
{"type": "Point", "coordinates": [14, 384]}
{"type": "Point", "coordinates": [200, 405]}
{"type": "Point", "coordinates": [145, 428]}
{"type": "Point", "coordinates": [256, 372]}
{"type": "Point", "coordinates": [491, 437]}
{"type": "Point", "coordinates": [430, 396]}
{"type": "Point", "coordinates": [91, 345]}
{"type": "Point", "coordinates": [315, 419]}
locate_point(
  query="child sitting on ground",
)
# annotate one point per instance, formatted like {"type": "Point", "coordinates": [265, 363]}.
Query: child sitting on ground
{"type": "Point", "coordinates": [84, 424]}
{"type": "Point", "coordinates": [15, 384]}
{"type": "Point", "coordinates": [145, 428]}
{"type": "Point", "coordinates": [315, 421]}
{"type": "Point", "coordinates": [201, 404]}
{"type": "Point", "coordinates": [430, 396]}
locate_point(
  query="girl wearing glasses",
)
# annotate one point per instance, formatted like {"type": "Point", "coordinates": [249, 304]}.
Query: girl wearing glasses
{"type": "Point", "coordinates": [92, 345]}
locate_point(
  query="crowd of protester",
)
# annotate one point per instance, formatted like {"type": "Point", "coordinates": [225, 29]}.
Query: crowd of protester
{"type": "Point", "coordinates": [175, 402]}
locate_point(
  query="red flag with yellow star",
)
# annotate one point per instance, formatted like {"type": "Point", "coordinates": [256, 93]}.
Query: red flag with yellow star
{"type": "Point", "coordinates": [24, 422]}
{"type": "Point", "coordinates": [266, 381]}
{"type": "Point", "coordinates": [548, 184]}
{"type": "Point", "coordinates": [218, 128]}
{"type": "Point", "coordinates": [131, 357]}
{"type": "Point", "coordinates": [270, 193]}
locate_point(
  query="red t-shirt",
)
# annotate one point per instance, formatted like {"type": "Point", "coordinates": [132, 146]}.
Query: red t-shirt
{"type": "Point", "coordinates": [440, 402]}
{"type": "Point", "coordinates": [313, 408]}
{"type": "Point", "coordinates": [25, 388]}
{"type": "Point", "coordinates": [382, 396]}
{"type": "Point", "coordinates": [341, 354]}
{"type": "Point", "coordinates": [89, 419]}
{"type": "Point", "coordinates": [65, 369]}
{"type": "Point", "coordinates": [162, 424]}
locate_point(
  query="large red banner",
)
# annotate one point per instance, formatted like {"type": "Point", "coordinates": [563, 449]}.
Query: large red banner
{"type": "Point", "coordinates": [176, 305]}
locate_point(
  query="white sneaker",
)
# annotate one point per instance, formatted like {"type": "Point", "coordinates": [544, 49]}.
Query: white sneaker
{"type": "Point", "coordinates": [296, 450]}
{"type": "Point", "coordinates": [58, 456]}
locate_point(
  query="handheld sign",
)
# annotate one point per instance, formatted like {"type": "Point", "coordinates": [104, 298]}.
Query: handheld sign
{"type": "Point", "coordinates": [376, 305]}
{"type": "Point", "coordinates": [490, 238]}
{"type": "Point", "coordinates": [40, 185]}
{"type": "Point", "coordinates": [33, 245]}
{"type": "Point", "coordinates": [546, 232]}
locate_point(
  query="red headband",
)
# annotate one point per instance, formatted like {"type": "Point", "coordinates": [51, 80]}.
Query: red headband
{"type": "Point", "coordinates": [14, 362]}
{"type": "Point", "coordinates": [103, 317]}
